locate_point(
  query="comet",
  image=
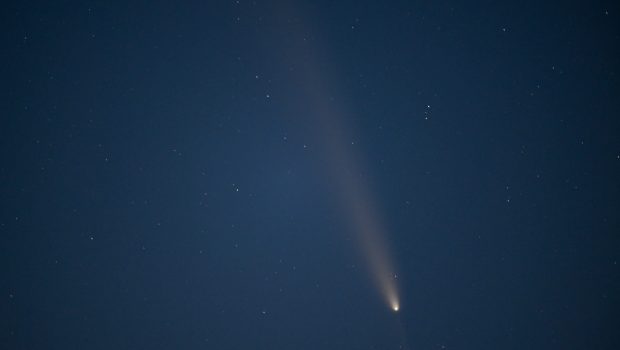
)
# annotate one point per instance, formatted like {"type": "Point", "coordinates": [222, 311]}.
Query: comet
{"type": "Point", "coordinates": [343, 162]}
{"type": "Point", "coordinates": [360, 208]}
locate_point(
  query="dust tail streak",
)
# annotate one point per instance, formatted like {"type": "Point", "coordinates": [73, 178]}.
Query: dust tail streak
{"type": "Point", "coordinates": [343, 165]}
{"type": "Point", "coordinates": [315, 75]}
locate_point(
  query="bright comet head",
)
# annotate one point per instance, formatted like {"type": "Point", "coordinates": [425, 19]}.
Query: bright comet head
{"type": "Point", "coordinates": [395, 307]}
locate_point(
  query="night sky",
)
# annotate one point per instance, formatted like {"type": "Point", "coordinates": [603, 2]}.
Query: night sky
{"type": "Point", "coordinates": [236, 174]}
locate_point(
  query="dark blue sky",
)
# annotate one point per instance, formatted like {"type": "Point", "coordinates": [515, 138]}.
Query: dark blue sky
{"type": "Point", "coordinates": [167, 180]}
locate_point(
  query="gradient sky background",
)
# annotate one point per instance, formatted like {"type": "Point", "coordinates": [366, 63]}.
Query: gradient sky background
{"type": "Point", "coordinates": [165, 182]}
